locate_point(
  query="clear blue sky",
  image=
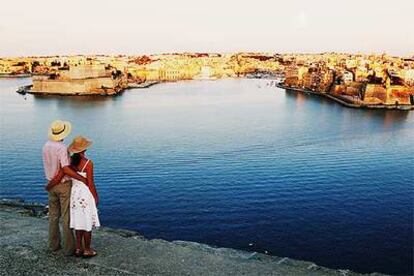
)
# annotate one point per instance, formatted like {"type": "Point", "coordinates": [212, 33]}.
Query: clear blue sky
{"type": "Point", "coordinates": [44, 27]}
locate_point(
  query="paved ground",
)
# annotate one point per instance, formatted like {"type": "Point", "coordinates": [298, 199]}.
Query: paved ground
{"type": "Point", "coordinates": [23, 251]}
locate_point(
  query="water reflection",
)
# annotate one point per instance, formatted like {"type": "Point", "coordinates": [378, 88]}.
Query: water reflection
{"type": "Point", "coordinates": [389, 118]}
{"type": "Point", "coordinates": [76, 102]}
{"type": "Point", "coordinates": [301, 98]}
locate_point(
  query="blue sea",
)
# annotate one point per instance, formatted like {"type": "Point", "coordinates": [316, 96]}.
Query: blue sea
{"type": "Point", "coordinates": [233, 163]}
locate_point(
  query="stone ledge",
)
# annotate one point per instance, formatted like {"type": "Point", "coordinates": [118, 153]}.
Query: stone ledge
{"type": "Point", "coordinates": [23, 251]}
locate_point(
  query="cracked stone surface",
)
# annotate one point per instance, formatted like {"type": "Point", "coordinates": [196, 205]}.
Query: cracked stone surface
{"type": "Point", "coordinates": [23, 251]}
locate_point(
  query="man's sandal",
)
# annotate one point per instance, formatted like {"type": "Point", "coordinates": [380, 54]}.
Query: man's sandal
{"type": "Point", "coordinates": [89, 253]}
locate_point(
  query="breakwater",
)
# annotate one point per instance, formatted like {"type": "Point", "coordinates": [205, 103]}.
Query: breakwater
{"type": "Point", "coordinates": [142, 85]}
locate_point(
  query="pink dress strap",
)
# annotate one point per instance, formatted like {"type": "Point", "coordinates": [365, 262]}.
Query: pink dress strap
{"type": "Point", "coordinates": [85, 165]}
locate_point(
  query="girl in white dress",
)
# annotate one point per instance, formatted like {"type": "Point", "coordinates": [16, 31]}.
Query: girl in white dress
{"type": "Point", "coordinates": [84, 198]}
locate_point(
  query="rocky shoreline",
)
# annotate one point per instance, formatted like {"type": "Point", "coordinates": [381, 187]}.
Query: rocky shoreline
{"type": "Point", "coordinates": [23, 228]}
{"type": "Point", "coordinates": [346, 102]}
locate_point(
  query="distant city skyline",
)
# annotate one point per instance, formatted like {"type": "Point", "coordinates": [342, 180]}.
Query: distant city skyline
{"type": "Point", "coordinates": [130, 27]}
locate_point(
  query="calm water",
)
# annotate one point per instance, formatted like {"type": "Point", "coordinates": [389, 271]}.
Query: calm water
{"type": "Point", "coordinates": [229, 163]}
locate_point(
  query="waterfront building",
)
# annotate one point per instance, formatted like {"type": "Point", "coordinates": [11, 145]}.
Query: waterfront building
{"type": "Point", "coordinates": [409, 77]}
{"type": "Point", "coordinates": [206, 73]}
{"type": "Point", "coordinates": [291, 76]}
{"type": "Point", "coordinates": [151, 74]}
{"type": "Point", "coordinates": [348, 77]}
{"type": "Point", "coordinates": [398, 94]}
{"type": "Point", "coordinates": [14, 67]}
{"type": "Point", "coordinates": [169, 74]}
{"type": "Point", "coordinates": [80, 80]}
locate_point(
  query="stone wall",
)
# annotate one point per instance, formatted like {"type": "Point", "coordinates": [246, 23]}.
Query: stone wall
{"type": "Point", "coordinates": [375, 93]}
{"type": "Point", "coordinates": [102, 85]}
{"type": "Point", "coordinates": [399, 94]}
{"type": "Point", "coordinates": [84, 71]}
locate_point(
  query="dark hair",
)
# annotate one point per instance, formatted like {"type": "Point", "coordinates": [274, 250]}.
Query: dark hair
{"type": "Point", "coordinates": [75, 159]}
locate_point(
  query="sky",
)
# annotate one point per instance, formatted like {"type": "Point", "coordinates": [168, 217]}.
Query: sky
{"type": "Point", "coordinates": [50, 27]}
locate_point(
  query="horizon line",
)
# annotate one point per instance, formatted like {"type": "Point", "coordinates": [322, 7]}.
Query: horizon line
{"type": "Point", "coordinates": [410, 56]}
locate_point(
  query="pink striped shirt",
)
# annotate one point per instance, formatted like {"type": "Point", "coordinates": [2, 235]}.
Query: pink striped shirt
{"type": "Point", "coordinates": [55, 156]}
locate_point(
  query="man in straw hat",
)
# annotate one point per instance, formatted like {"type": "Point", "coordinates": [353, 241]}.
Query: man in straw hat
{"type": "Point", "coordinates": [55, 157]}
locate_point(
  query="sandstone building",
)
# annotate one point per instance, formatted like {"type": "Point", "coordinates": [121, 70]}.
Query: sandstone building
{"type": "Point", "coordinates": [81, 79]}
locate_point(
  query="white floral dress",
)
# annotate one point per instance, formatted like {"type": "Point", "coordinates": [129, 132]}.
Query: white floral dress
{"type": "Point", "coordinates": [83, 211]}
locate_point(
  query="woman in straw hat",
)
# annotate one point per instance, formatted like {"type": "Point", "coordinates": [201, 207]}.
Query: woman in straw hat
{"type": "Point", "coordinates": [84, 198]}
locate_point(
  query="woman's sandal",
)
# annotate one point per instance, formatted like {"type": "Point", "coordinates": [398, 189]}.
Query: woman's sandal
{"type": "Point", "coordinates": [78, 253]}
{"type": "Point", "coordinates": [89, 253]}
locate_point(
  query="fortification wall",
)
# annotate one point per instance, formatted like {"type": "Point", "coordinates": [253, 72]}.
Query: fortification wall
{"type": "Point", "coordinates": [86, 86]}
{"type": "Point", "coordinates": [399, 94]}
{"type": "Point", "coordinates": [82, 72]}
{"type": "Point", "coordinates": [375, 94]}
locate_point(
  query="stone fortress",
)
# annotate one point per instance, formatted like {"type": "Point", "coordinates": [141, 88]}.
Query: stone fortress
{"type": "Point", "coordinates": [82, 79]}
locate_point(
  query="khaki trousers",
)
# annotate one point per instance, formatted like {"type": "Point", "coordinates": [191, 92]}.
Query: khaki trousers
{"type": "Point", "coordinates": [59, 207]}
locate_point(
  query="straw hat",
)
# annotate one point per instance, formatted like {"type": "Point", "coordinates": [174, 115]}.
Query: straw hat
{"type": "Point", "coordinates": [79, 144]}
{"type": "Point", "coordinates": [59, 130]}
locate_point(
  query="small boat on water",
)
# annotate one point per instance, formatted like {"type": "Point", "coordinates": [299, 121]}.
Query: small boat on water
{"type": "Point", "coordinates": [23, 89]}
